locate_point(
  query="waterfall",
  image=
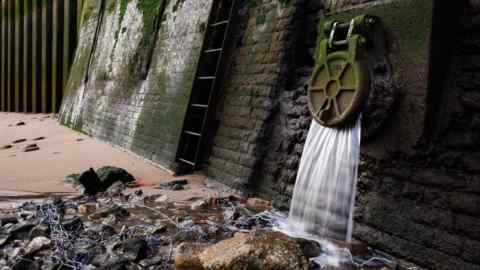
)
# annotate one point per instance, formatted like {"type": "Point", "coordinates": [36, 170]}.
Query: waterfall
{"type": "Point", "coordinates": [324, 194]}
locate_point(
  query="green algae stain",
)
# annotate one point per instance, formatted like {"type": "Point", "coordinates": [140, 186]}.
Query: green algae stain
{"type": "Point", "coordinates": [151, 11]}
{"type": "Point", "coordinates": [88, 9]}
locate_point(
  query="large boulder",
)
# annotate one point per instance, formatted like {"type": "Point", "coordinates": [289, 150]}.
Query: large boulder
{"type": "Point", "coordinates": [260, 249]}
{"type": "Point", "coordinates": [93, 182]}
{"type": "Point", "coordinates": [109, 175]}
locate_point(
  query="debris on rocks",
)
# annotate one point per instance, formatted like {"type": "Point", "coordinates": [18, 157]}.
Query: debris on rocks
{"type": "Point", "coordinates": [173, 185]}
{"type": "Point", "coordinates": [124, 230]}
{"type": "Point", "coordinates": [31, 148]}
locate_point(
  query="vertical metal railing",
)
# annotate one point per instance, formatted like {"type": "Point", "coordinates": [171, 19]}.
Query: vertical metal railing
{"type": "Point", "coordinates": [38, 39]}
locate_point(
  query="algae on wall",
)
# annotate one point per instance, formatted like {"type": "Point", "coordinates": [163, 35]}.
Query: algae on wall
{"type": "Point", "coordinates": [140, 75]}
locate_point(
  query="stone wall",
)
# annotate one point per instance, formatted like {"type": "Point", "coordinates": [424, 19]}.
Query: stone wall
{"type": "Point", "coordinates": [257, 71]}
{"type": "Point", "coordinates": [132, 75]}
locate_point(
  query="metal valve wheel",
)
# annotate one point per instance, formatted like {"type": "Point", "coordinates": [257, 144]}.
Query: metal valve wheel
{"type": "Point", "coordinates": [338, 89]}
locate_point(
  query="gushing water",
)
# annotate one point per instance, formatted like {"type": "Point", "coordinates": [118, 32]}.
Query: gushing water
{"type": "Point", "coordinates": [324, 195]}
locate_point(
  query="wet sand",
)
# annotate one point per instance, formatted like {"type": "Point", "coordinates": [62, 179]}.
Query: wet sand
{"type": "Point", "coordinates": [65, 151]}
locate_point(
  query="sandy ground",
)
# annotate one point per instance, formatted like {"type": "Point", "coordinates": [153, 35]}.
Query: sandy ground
{"type": "Point", "coordinates": [63, 152]}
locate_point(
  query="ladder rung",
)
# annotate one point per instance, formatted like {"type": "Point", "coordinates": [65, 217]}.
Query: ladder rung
{"type": "Point", "coordinates": [219, 23]}
{"type": "Point", "coordinates": [206, 77]}
{"type": "Point", "coordinates": [199, 105]}
{"type": "Point", "coordinates": [340, 42]}
{"type": "Point", "coordinates": [213, 50]}
{"type": "Point", "coordinates": [186, 161]}
{"type": "Point", "coordinates": [193, 133]}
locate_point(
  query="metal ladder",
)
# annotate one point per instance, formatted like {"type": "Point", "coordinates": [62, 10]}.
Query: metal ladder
{"type": "Point", "coordinates": [206, 84]}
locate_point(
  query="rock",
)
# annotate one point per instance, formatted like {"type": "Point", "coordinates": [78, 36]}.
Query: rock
{"type": "Point", "coordinates": [91, 182]}
{"type": "Point", "coordinates": [39, 138]}
{"type": "Point", "coordinates": [31, 147]}
{"type": "Point", "coordinates": [20, 230]}
{"type": "Point", "coordinates": [73, 224]}
{"type": "Point", "coordinates": [119, 264]}
{"type": "Point", "coordinates": [37, 244]}
{"type": "Point", "coordinates": [6, 219]}
{"type": "Point", "coordinates": [309, 248]}
{"type": "Point", "coordinates": [162, 199]}
{"type": "Point", "coordinates": [86, 209]}
{"type": "Point", "coordinates": [231, 214]}
{"type": "Point", "coordinates": [8, 146]}
{"type": "Point", "coordinates": [101, 180]}
{"type": "Point", "coordinates": [185, 257]}
{"type": "Point", "coordinates": [23, 264]}
{"type": "Point", "coordinates": [173, 185]}
{"type": "Point", "coordinates": [135, 249]}
{"type": "Point", "coordinates": [159, 229]}
{"type": "Point", "coordinates": [19, 141]}
{"type": "Point", "coordinates": [20, 124]}
{"type": "Point", "coordinates": [177, 187]}
{"type": "Point", "coordinates": [258, 205]}
{"type": "Point", "coordinates": [4, 239]}
{"type": "Point", "coordinates": [257, 250]}
{"type": "Point", "coordinates": [39, 230]}
{"type": "Point", "coordinates": [151, 262]}
{"type": "Point", "coordinates": [109, 175]}
{"type": "Point", "coordinates": [197, 205]}
{"type": "Point", "coordinates": [116, 211]}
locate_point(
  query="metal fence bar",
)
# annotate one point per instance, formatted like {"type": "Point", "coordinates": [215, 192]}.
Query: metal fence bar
{"type": "Point", "coordinates": [2, 56]}
{"type": "Point", "coordinates": [10, 55]}
{"type": "Point", "coordinates": [38, 39]}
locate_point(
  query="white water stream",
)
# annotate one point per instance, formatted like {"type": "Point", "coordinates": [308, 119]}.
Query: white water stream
{"type": "Point", "coordinates": [324, 194]}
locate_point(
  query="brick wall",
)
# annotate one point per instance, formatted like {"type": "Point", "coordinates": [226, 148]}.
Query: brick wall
{"type": "Point", "coordinates": [257, 71]}
{"type": "Point", "coordinates": [131, 99]}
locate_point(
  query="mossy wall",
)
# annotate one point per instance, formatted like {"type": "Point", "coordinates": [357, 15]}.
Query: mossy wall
{"type": "Point", "coordinates": [132, 76]}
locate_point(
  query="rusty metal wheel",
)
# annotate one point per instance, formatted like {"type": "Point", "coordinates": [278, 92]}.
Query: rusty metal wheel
{"type": "Point", "coordinates": [338, 89]}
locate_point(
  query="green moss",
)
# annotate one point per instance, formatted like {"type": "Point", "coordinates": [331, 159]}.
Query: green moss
{"type": "Point", "coordinates": [123, 10]}
{"type": "Point", "coordinates": [88, 9]}
{"type": "Point", "coordinates": [150, 10]}
{"type": "Point", "coordinates": [111, 4]}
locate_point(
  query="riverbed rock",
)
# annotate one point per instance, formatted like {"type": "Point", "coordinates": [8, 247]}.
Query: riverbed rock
{"type": "Point", "coordinates": [135, 249]}
{"type": "Point", "coordinates": [109, 175]}
{"type": "Point", "coordinates": [19, 141]}
{"type": "Point", "coordinates": [260, 249]}
{"type": "Point", "coordinates": [186, 256]}
{"type": "Point", "coordinates": [198, 205]}
{"type": "Point", "coordinates": [86, 209]}
{"type": "Point", "coordinates": [37, 244]}
{"type": "Point", "coordinates": [258, 205]}
{"type": "Point", "coordinates": [90, 181]}
{"type": "Point", "coordinates": [173, 185]}
{"type": "Point", "coordinates": [8, 146]}
{"type": "Point", "coordinates": [31, 147]}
